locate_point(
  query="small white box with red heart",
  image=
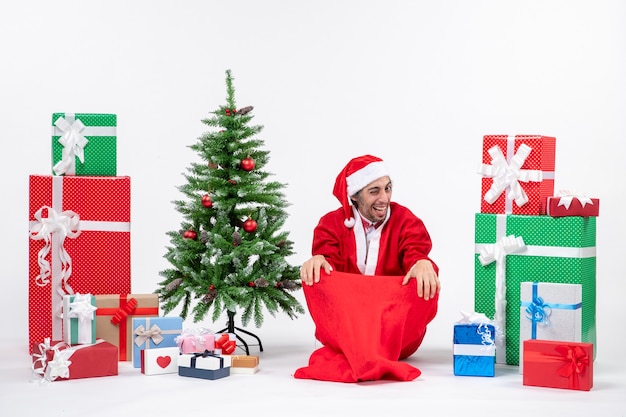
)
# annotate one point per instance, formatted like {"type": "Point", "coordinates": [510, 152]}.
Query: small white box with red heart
{"type": "Point", "coordinates": [160, 361]}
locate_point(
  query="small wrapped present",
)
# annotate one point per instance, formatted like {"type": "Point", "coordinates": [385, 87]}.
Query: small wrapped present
{"type": "Point", "coordinates": [550, 311]}
{"type": "Point", "coordinates": [570, 203]}
{"type": "Point", "coordinates": [159, 361]}
{"type": "Point", "coordinates": [243, 364]}
{"type": "Point", "coordinates": [79, 229]}
{"type": "Point", "coordinates": [79, 320]}
{"type": "Point", "coordinates": [205, 365]}
{"type": "Point", "coordinates": [84, 144]}
{"type": "Point", "coordinates": [518, 173]}
{"type": "Point", "coordinates": [154, 332]}
{"type": "Point", "coordinates": [474, 346]}
{"type": "Point", "coordinates": [56, 360]}
{"type": "Point", "coordinates": [225, 344]}
{"type": "Point", "coordinates": [558, 364]}
{"type": "Point", "coordinates": [114, 318]}
{"type": "Point", "coordinates": [195, 341]}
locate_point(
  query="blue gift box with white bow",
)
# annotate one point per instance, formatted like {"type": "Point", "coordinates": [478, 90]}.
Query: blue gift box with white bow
{"type": "Point", "coordinates": [474, 349]}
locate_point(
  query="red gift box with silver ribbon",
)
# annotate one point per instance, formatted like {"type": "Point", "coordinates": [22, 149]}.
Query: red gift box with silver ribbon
{"type": "Point", "coordinates": [518, 174]}
{"type": "Point", "coordinates": [79, 242]}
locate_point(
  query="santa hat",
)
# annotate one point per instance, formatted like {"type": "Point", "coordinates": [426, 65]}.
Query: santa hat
{"type": "Point", "coordinates": [354, 177]}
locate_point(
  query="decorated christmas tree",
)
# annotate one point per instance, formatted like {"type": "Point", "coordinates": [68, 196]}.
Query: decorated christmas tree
{"type": "Point", "coordinates": [230, 254]}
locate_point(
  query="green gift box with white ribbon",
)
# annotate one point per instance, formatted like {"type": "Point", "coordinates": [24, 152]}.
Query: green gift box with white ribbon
{"type": "Point", "coordinates": [79, 319]}
{"type": "Point", "coordinates": [511, 249]}
{"type": "Point", "coordinates": [84, 144]}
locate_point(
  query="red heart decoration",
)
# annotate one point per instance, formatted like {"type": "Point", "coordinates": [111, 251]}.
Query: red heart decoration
{"type": "Point", "coordinates": [163, 361]}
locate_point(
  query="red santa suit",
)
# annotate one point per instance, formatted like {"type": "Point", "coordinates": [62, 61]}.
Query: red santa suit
{"type": "Point", "coordinates": [367, 323]}
{"type": "Point", "coordinates": [394, 247]}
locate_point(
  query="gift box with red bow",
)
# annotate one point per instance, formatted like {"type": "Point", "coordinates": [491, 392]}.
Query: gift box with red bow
{"type": "Point", "coordinates": [569, 203]}
{"type": "Point", "coordinates": [56, 360]}
{"type": "Point", "coordinates": [115, 314]}
{"type": "Point", "coordinates": [225, 344]}
{"type": "Point", "coordinates": [159, 361]}
{"type": "Point", "coordinates": [79, 243]}
{"type": "Point", "coordinates": [518, 173]}
{"type": "Point", "coordinates": [154, 332]}
{"type": "Point", "coordinates": [558, 364]}
{"type": "Point", "coordinates": [205, 365]}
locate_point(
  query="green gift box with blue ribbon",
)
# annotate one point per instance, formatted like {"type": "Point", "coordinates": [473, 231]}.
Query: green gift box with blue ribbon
{"type": "Point", "coordinates": [550, 311]}
{"type": "Point", "coordinates": [511, 249]}
{"type": "Point", "coordinates": [84, 144]}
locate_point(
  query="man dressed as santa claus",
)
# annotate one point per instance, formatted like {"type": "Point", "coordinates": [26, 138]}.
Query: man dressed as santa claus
{"type": "Point", "coordinates": [359, 281]}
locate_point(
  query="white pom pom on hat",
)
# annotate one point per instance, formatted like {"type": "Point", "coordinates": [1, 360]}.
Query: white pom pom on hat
{"type": "Point", "coordinates": [359, 172]}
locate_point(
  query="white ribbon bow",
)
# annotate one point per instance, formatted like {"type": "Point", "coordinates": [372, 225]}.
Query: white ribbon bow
{"type": "Point", "coordinates": [568, 195]}
{"type": "Point", "coordinates": [508, 175]}
{"type": "Point", "coordinates": [144, 335]}
{"type": "Point", "coordinates": [81, 308]}
{"type": "Point", "coordinates": [73, 142]}
{"type": "Point", "coordinates": [64, 224]}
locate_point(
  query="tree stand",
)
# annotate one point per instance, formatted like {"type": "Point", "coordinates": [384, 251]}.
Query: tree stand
{"type": "Point", "coordinates": [230, 328]}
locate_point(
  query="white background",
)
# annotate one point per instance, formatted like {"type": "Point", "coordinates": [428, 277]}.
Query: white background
{"type": "Point", "coordinates": [417, 83]}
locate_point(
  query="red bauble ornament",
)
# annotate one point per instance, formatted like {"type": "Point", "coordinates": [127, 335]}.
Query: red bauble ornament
{"type": "Point", "coordinates": [206, 201]}
{"type": "Point", "coordinates": [251, 284]}
{"type": "Point", "coordinates": [249, 225]}
{"type": "Point", "coordinates": [190, 234]}
{"type": "Point", "coordinates": [212, 287]}
{"type": "Point", "coordinates": [247, 164]}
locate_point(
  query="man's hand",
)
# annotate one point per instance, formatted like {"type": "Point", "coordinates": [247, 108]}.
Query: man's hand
{"type": "Point", "coordinates": [427, 280]}
{"type": "Point", "coordinates": [310, 270]}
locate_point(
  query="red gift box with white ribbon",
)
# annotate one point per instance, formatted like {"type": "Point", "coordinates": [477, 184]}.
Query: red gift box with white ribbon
{"type": "Point", "coordinates": [518, 174]}
{"type": "Point", "coordinates": [79, 242]}
{"type": "Point", "coordinates": [572, 203]}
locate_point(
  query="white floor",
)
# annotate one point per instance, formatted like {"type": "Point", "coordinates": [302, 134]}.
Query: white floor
{"type": "Point", "coordinates": [273, 391]}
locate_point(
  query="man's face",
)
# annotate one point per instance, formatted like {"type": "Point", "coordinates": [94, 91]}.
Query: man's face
{"type": "Point", "coordinates": [373, 200]}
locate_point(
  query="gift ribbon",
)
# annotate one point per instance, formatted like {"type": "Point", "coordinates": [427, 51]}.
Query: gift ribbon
{"type": "Point", "coordinates": [486, 250]}
{"type": "Point", "coordinates": [497, 253]}
{"type": "Point", "coordinates": [127, 307]}
{"type": "Point", "coordinates": [81, 309]}
{"type": "Point", "coordinates": [147, 333]}
{"type": "Point", "coordinates": [205, 354]}
{"type": "Point", "coordinates": [566, 197]}
{"type": "Point", "coordinates": [144, 335]}
{"type": "Point", "coordinates": [59, 366]}
{"type": "Point", "coordinates": [507, 174]}
{"type": "Point", "coordinates": [574, 358]}
{"type": "Point", "coordinates": [73, 142]}
{"type": "Point", "coordinates": [538, 311]}
{"type": "Point", "coordinates": [53, 230]}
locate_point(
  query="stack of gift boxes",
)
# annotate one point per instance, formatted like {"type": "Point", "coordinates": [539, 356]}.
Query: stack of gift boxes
{"type": "Point", "coordinates": [535, 267]}
{"type": "Point", "coordinates": [82, 317]}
